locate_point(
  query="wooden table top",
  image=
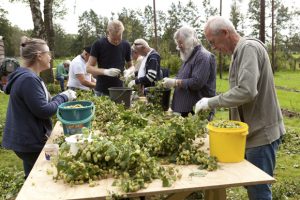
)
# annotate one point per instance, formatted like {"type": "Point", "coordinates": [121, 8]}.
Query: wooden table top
{"type": "Point", "coordinates": [40, 185]}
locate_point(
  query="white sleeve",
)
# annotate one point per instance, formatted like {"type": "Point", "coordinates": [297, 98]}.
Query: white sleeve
{"type": "Point", "coordinates": [78, 68]}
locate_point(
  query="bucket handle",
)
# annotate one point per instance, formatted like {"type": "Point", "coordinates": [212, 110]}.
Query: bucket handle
{"type": "Point", "coordinates": [244, 133]}
{"type": "Point", "coordinates": [76, 122]}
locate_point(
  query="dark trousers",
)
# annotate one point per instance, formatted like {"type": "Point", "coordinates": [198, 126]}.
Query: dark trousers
{"type": "Point", "coordinates": [61, 83]}
{"type": "Point", "coordinates": [28, 159]}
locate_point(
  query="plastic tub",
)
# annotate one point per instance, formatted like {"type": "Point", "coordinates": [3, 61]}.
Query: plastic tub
{"type": "Point", "coordinates": [121, 95]}
{"type": "Point", "coordinates": [228, 144]}
{"type": "Point", "coordinates": [76, 114]}
{"type": "Point", "coordinates": [159, 96]}
{"type": "Point", "coordinates": [74, 119]}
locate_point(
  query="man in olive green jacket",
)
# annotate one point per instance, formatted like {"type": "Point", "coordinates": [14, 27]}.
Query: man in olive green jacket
{"type": "Point", "coordinates": [62, 73]}
{"type": "Point", "coordinates": [252, 97]}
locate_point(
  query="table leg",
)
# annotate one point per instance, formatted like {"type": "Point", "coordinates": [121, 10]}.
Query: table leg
{"type": "Point", "coordinates": [215, 194]}
{"type": "Point", "coordinates": [178, 196]}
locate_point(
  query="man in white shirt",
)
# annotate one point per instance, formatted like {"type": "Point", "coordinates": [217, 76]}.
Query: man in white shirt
{"type": "Point", "coordinates": [78, 77]}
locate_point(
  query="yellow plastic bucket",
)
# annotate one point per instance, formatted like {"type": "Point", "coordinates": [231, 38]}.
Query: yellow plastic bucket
{"type": "Point", "coordinates": [228, 144]}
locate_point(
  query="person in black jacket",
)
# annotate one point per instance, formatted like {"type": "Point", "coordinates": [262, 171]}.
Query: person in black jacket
{"type": "Point", "coordinates": [30, 106]}
{"type": "Point", "coordinates": [149, 71]}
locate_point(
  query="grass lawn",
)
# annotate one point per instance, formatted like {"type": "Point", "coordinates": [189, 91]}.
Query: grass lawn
{"type": "Point", "coordinates": [288, 79]}
{"type": "Point", "coordinates": [287, 171]}
{"type": "Point", "coordinates": [289, 100]}
{"type": "Point", "coordinates": [7, 159]}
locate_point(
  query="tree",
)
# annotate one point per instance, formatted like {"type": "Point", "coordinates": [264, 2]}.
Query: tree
{"type": "Point", "coordinates": [262, 19]}
{"type": "Point", "coordinates": [254, 16]}
{"type": "Point", "coordinates": [209, 10]}
{"type": "Point", "coordinates": [11, 41]}
{"type": "Point", "coordinates": [88, 28]}
{"type": "Point", "coordinates": [180, 15]}
{"type": "Point", "coordinates": [43, 27]}
{"type": "Point", "coordinates": [283, 20]}
{"type": "Point", "coordinates": [236, 17]}
{"type": "Point", "coordinates": [64, 43]}
{"type": "Point", "coordinates": [133, 27]}
{"type": "Point", "coordinates": [147, 21]}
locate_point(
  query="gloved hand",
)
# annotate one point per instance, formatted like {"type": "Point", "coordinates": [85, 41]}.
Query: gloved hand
{"type": "Point", "coordinates": [129, 73]}
{"type": "Point", "coordinates": [111, 72]}
{"type": "Point", "coordinates": [70, 94]}
{"type": "Point", "coordinates": [202, 104]}
{"type": "Point", "coordinates": [169, 82]}
{"type": "Point", "coordinates": [131, 83]}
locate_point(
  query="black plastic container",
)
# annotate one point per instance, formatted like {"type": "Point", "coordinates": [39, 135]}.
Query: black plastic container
{"type": "Point", "coordinates": [159, 96]}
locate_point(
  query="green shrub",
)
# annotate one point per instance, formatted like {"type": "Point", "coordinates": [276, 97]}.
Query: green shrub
{"type": "Point", "coordinates": [2, 124]}
{"type": "Point", "coordinates": [54, 89]}
{"type": "Point", "coordinates": [171, 62]}
{"type": "Point", "coordinates": [11, 181]}
{"type": "Point", "coordinates": [285, 189]}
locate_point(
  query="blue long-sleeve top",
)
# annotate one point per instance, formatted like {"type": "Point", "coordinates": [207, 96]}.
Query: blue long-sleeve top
{"type": "Point", "coordinates": [198, 75]}
{"type": "Point", "coordinates": [28, 123]}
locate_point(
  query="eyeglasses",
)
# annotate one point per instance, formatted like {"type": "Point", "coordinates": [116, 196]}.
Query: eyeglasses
{"type": "Point", "coordinates": [137, 44]}
{"type": "Point", "coordinates": [48, 52]}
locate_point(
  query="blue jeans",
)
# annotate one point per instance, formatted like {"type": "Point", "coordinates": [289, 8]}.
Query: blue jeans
{"type": "Point", "coordinates": [28, 159]}
{"type": "Point", "coordinates": [263, 157]}
{"type": "Point", "coordinates": [61, 82]}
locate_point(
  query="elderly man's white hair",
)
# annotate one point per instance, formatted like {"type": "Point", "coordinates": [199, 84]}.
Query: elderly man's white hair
{"type": "Point", "coordinates": [67, 62]}
{"type": "Point", "coordinates": [188, 34]}
{"type": "Point", "coordinates": [140, 43]}
{"type": "Point", "coordinates": [217, 23]}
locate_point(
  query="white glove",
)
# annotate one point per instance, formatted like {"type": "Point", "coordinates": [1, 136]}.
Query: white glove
{"type": "Point", "coordinates": [129, 73]}
{"type": "Point", "coordinates": [169, 82]}
{"type": "Point", "coordinates": [111, 72]}
{"type": "Point", "coordinates": [70, 94]}
{"type": "Point", "coordinates": [202, 104]}
{"type": "Point", "coordinates": [131, 83]}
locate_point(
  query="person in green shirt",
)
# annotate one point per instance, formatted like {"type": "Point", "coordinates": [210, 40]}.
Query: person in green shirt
{"type": "Point", "coordinates": [62, 73]}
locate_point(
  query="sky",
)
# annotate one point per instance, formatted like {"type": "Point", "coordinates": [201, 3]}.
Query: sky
{"type": "Point", "coordinates": [19, 14]}
{"type": "Point", "coordinates": [102, 7]}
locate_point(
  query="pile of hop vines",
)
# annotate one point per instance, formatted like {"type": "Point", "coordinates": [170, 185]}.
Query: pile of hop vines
{"type": "Point", "coordinates": [225, 124]}
{"type": "Point", "coordinates": [132, 145]}
{"type": "Point", "coordinates": [74, 106]}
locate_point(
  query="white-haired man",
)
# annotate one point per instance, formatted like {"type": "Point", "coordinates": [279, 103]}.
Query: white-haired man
{"type": "Point", "coordinates": [197, 76]}
{"type": "Point", "coordinates": [149, 71]}
{"type": "Point", "coordinates": [251, 97]}
{"type": "Point", "coordinates": [111, 53]}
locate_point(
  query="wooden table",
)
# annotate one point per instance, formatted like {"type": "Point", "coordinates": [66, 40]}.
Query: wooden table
{"type": "Point", "coordinates": [39, 185]}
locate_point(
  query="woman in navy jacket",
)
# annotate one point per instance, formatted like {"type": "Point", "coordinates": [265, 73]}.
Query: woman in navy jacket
{"type": "Point", "coordinates": [28, 123]}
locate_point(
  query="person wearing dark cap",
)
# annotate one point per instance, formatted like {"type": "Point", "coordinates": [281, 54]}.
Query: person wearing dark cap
{"type": "Point", "coordinates": [78, 77]}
